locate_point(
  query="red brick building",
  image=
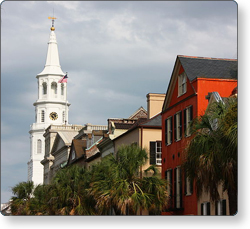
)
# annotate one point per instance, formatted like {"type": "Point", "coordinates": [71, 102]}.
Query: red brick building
{"type": "Point", "coordinates": [192, 81]}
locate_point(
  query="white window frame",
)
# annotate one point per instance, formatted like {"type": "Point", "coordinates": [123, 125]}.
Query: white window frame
{"type": "Point", "coordinates": [168, 178]}
{"type": "Point", "coordinates": [220, 207]}
{"type": "Point", "coordinates": [158, 153]}
{"type": "Point", "coordinates": [205, 208]}
{"type": "Point", "coordinates": [178, 126]}
{"type": "Point", "coordinates": [182, 84]}
{"type": "Point", "coordinates": [178, 187]}
{"type": "Point", "coordinates": [188, 186]}
{"type": "Point", "coordinates": [169, 130]}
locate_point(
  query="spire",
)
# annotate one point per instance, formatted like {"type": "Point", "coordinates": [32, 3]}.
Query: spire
{"type": "Point", "coordinates": [52, 65]}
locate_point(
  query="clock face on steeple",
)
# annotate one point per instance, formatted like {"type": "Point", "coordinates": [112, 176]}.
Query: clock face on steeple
{"type": "Point", "coordinates": [53, 115]}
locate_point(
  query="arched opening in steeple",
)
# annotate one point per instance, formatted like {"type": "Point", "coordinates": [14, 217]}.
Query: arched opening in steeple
{"type": "Point", "coordinates": [44, 88]}
{"type": "Point", "coordinates": [39, 146]}
{"type": "Point", "coordinates": [54, 89]}
{"type": "Point", "coordinates": [62, 89]}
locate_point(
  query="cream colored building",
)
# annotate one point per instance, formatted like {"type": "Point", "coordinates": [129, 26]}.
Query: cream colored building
{"type": "Point", "coordinates": [58, 140]}
{"type": "Point", "coordinates": [146, 132]}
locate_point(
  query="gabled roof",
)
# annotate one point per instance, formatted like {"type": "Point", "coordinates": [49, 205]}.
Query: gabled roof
{"type": "Point", "coordinates": [201, 67]}
{"type": "Point", "coordinates": [139, 113]}
{"type": "Point", "coordinates": [154, 122]}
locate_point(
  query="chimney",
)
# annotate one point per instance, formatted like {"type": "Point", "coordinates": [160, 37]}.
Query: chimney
{"type": "Point", "coordinates": [154, 104]}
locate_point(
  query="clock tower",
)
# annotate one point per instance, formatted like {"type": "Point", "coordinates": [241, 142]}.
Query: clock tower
{"type": "Point", "coordinates": [51, 107]}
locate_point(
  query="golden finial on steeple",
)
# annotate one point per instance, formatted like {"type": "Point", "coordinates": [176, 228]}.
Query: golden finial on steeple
{"type": "Point", "coordinates": [53, 18]}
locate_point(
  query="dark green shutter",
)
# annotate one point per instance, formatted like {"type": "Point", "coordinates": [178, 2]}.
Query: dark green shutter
{"type": "Point", "coordinates": [171, 183]}
{"type": "Point", "coordinates": [185, 183]}
{"type": "Point", "coordinates": [180, 191]}
{"type": "Point", "coordinates": [224, 207]}
{"type": "Point", "coordinates": [152, 159]}
{"type": "Point", "coordinates": [216, 207]}
{"type": "Point", "coordinates": [166, 131]}
{"type": "Point", "coordinates": [185, 121]}
{"type": "Point", "coordinates": [171, 129]}
{"type": "Point", "coordinates": [191, 113]}
{"type": "Point", "coordinates": [175, 186]}
{"type": "Point", "coordinates": [180, 125]}
{"type": "Point", "coordinates": [202, 209]}
{"type": "Point", "coordinates": [208, 208]}
{"type": "Point", "coordinates": [175, 134]}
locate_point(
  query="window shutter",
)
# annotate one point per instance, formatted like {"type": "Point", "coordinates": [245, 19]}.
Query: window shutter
{"type": "Point", "coordinates": [171, 129]}
{"type": "Point", "coordinates": [224, 207]}
{"type": "Point", "coordinates": [185, 183]}
{"type": "Point", "coordinates": [166, 131]}
{"type": "Point", "coordinates": [216, 207]}
{"type": "Point", "coordinates": [180, 124]}
{"type": "Point", "coordinates": [175, 186]}
{"type": "Point", "coordinates": [191, 186]}
{"type": "Point", "coordinates": [166, 175]}
{"type": "Point", "coordinates": [202, 209]}
{"type": "Point", "coordinates": [185, 121]}
{"type": "Point", "coordinates": [171, 183]}
{"type": "Point", "coordinates": [208, 208]}
{"type": "Point", "coordinates": [180, 179]}
{"type": "Point", "coordinates": [191, 113]}
{"type": "Point", "coordinates": [152, 159]}
{"type": "Point", "coordinates": [175, 124]}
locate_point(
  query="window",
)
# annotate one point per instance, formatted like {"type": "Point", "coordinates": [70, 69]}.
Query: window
{"type": "Point", "coordinates": [205, 208]}
{"type": "Point", "coordinates": [62, 89]}
{"type": "Point", "coordinates": [168, 177]}
{"type": "Point", "coordinates": [39, 146]}
{"type": "Point", "coordinates": [42, 115]}
{"type": "Point", "coordinates": [178, 126]}
{"type": "Point", "coordinates": [220, 207]}
{"type": "Point", "coordinates": [178, 187]}
{"type": "Point", "coordinates": [188, 116]}
{"type": "Point", "coordinates": [182, 84]}
{"type": "Point", "coordinates": [44, 88]}
{"type": "Point", "coordinates": [188, 186]}
{"type": "Point", "coordinates": [168, 131]}
{"type": "Point", "coordinates": [158, 153]}
{"type": "Point", "coordinates": [73, 155]}
{"type": "Point", "coordinates": [54, 89]}
{"type": "Point", "coordinates": [155, 153]}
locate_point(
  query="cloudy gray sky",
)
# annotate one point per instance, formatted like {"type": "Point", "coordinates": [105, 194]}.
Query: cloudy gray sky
{"type": "Point", "coordinates": [114, 52]}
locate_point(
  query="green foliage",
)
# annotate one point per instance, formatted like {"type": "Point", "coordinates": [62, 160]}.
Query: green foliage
{"type": "Point", "coordinates": [112, 186]}
{"type": "Point", "coordinates": [211, 156]}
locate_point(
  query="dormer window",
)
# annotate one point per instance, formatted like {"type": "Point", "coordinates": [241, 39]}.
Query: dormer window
{"type": "Point", "coordinates": [182, 84]}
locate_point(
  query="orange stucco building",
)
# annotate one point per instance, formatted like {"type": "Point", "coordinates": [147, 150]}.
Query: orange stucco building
{"type": "Point", "coordinates": [192, 81]}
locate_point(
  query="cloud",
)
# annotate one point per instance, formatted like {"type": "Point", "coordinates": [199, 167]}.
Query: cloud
{"type": "Point", "coordinates": [114, 51]}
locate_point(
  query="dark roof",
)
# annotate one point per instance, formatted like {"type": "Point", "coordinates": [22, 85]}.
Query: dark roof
{"type": "Point", "coordinates": [79, 146]}
{"type": "Point", "coordinates": [155, 121]}
{"type": "Point", "coordinates": [123, 125]}
{"type": "Point", "coordinates": [201, 67]}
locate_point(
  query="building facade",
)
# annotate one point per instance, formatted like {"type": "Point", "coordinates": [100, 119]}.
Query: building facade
{"type": "Point", "coordinates": [193, 80]}
{"type": "Point", "coordinates": [51, 107]}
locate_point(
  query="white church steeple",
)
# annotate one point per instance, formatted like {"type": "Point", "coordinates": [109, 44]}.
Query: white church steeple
{"type": "Point", "coordinates": [51, 107]}
{"type": "Point", "coordinates": [52, 65]}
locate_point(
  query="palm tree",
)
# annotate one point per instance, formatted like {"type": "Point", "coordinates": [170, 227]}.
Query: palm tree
{"type": "Point", "coordinates": [117, 184]}
{"type": "Point", "coordinates": [211, 156]}
{"type": "Point", "coordinates": [69, 192]}
{"type": "Point", "coordinates": [21, 201]}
